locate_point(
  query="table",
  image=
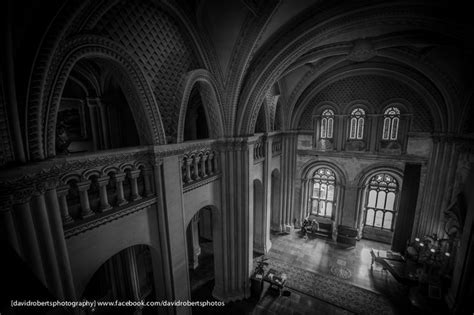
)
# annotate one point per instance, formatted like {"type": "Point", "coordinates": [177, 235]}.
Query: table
{"type": "Point", "coordinates": [403, 271]}
{"type": "Point", "coordinates": [276, 279]}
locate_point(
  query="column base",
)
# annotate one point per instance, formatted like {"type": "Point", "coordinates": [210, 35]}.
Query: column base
{"type": "Point", "coordinates": [106, 208]}
{"type": "Point", "coordinates": [136, 198]}
{"type": "Point", "coordinates": [68, 220]}
{"type": "Point", "coordinates": [122, 202]}
{"type": "Point", "coordinates": [87, 214]}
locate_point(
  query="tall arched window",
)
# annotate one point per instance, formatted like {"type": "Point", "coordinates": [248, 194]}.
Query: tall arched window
{"type": "Point", "coordinates": [391, 122]}
{"type": "Point", "coordinates": [323, 195]}
{"type": "Point", "coordinates": [380, 206]}
{"type": "Point", "coordinates": [357, 124]}
{"type": "Point", "coordinates": [327, 124]}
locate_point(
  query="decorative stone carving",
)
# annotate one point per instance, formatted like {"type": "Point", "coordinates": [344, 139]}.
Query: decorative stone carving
{"type": "Point", "coordinates": [362, 50]}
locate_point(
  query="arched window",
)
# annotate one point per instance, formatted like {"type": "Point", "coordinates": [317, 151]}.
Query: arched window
{"type": "Point", "coordinates": [391, 122]}
{"type": "Point", "coordinates": [323, 194]}
{"type": "Point", "coordinates": [380, 206]}
{"type": "Point", "coordinates": [357, 124]}
{"type": "Point", "coordinates": [327, 124]}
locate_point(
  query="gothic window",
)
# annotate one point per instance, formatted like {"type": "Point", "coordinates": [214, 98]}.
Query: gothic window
{"type": "Point", "coordinates": [357, 120]}
{"type": "Point", "coordinates": [327, 124]}
{"type": "Point", "coordinates": [391, 122]}
{"type": "Point", "coordinates": [380, 206]}
{"type": "Point", "coordinates": [323, 194]}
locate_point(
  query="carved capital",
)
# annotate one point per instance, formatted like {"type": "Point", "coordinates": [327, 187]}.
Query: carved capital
{"type": "Point", "coordinates": [103, 181]}
{"type": "Point", "coordinates": [83, 186]}
{"type": "Point", "coordinates": [135, 173]}
{"type": "Point", "coordinates": [120, 177]}
{"type": "Point", "coordinates": [22, 196]}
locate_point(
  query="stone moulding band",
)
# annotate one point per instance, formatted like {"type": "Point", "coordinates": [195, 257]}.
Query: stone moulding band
{"type": "Point", "coordinates": [95, 221]}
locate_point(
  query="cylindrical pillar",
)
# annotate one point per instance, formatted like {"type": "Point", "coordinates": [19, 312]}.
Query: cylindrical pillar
{"type": "Point", "coordinates": [104, 201]}
{"type": "Point", "coordinates": [62, 193]}
{"type": "Point", "coordinates": [147, 174]}
{"type": "Point", "coordinates": [62, 255]}
{"type": "Point", "coordinates": [45, 240]}
{"type": "Point", "coordinates": [134, 184]}
{"type": "Point", "coordinates": [27, 233]}
{"type": "Point", "coordinates": [119, 178]}
{"type": "Point", "coordinates": [83, 187]}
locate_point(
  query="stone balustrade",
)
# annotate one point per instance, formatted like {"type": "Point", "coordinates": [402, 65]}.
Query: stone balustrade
{"type": "Point", "coordinates": [259, 150]}
{"type": "Point", "coordinates": [276, 146]}
{"type": "Point", "coordinates": [199, 164]}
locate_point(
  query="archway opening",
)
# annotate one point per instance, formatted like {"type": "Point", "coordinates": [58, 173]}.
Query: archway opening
{"type": "Point", "coordinates": [126, 276]}
{"type": "Point", "coordinates": [94, 113]}
{"type": "Point", "coordinates": [196, 125]}
{"type": "Point", "coordinates": [200, 246]}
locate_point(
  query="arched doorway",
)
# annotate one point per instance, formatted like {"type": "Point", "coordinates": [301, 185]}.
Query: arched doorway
{"type": "Point", "coordinates": [94, 112]}
{"type": "Point", "coordinates": [196, 125]}
{"type": "Point", "coordinates": [379, 200]}
{"type": "Point", "coordinates": [200, 246]}
{"type": "Point", "coordinates": [126, 276]}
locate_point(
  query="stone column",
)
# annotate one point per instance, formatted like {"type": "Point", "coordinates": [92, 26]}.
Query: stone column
{"type": "Point", "coordinates": [232, 279]}
{"type": "Point", "coordinates": [193, 242]}
{"type": "Point", "coordinates": [130, 262]}
{"type": "Point", "coordinates": [147, 176]}
{"type": "Point", "coordinates": [119, 178]}
{"type": "Point", "coordinates": [162, 257]}
{"type": "Point", "coordinates": [104, 201]}
{"type": "Point", "coordinates": [267, 182]}
{"type": "Point", "coordinates": [349, 212]}
{"type": "Point", "coordinates": [11, 103]}
{"type": "Point", "coordinates": [288, 166]}
{"type": "Point", "coordinates": [104, 124]}
{"type": "Point", "coordinates": [133, 177]}
{"type": "Point", "coordinates": [46, 244]}
{"type": "Point", "coordinates": [61, 251]}
{"type": "Point", "coordinates": [210, 159]}
{"type": "Point", "coordinates": [92, 104]}
{"type": "Point", "coordinates": [175, 234]}
{"type": "Point", "coordinates": [196, 167]}
{"type": "Point", "coordinates": [26, 232]}
{"type": "Point", "coordinates": [188, 162]}
{"type": "Point", "coordinates": [8, 225]}
{"type": "Point", "coordinates": [62, 192]}
{"type": "Point", "coordinates": [83, 187]}
{"type": "Point", "coordinates": [204, 158]}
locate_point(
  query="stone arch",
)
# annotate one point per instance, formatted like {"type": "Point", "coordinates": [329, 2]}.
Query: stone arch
{"type": "Point", "coordinates": [428, 96]}
{"type": "Point", "coordinates": [299, 38]}
{"type": "Point", "coordinates": [212, 102]}
{"type": "Point", "coordinates": [93, 266]}
{"type": "Point", "coordinates": [42, 112]}
{"type": "Point", "coordinates": [217, 232]}
{"type": "Point", "coordinates": [362, 180]}
{"type": "Point", "coordinates": [305, 175]}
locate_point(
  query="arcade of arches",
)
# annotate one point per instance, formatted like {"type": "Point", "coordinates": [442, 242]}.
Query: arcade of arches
{"type": "Point", "coordinates": [152, 148]}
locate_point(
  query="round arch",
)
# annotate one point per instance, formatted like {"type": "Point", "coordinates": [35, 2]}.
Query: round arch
{"type": "Point", "coordinates": [362, 180]}
{"type": "Point", "coordinates": [212, 103]}
{"type": "Point", "coordinates": [42, 112]}
{"type": "Point", "coordinates": [429, 96]}
{"type": "Point", "coordinates": [92, 266]}
{"type": "Point", "coordinates": [302, 37]}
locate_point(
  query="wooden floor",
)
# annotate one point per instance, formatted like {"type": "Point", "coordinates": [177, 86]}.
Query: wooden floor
{"type": "Point", "coordinates": [320, 256]}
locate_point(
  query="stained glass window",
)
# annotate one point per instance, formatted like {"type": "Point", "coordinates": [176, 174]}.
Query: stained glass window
{"type": "Point", "coordinates": [323, 196]}
{"type": "Point", "coordinates": [381, 197]}
{"type": "Point", "coordinates": [391, 122]}
{"type": "Point", "coordinates": [357, 121]}
{"type": "Point", "coordinates": [327, 124]}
